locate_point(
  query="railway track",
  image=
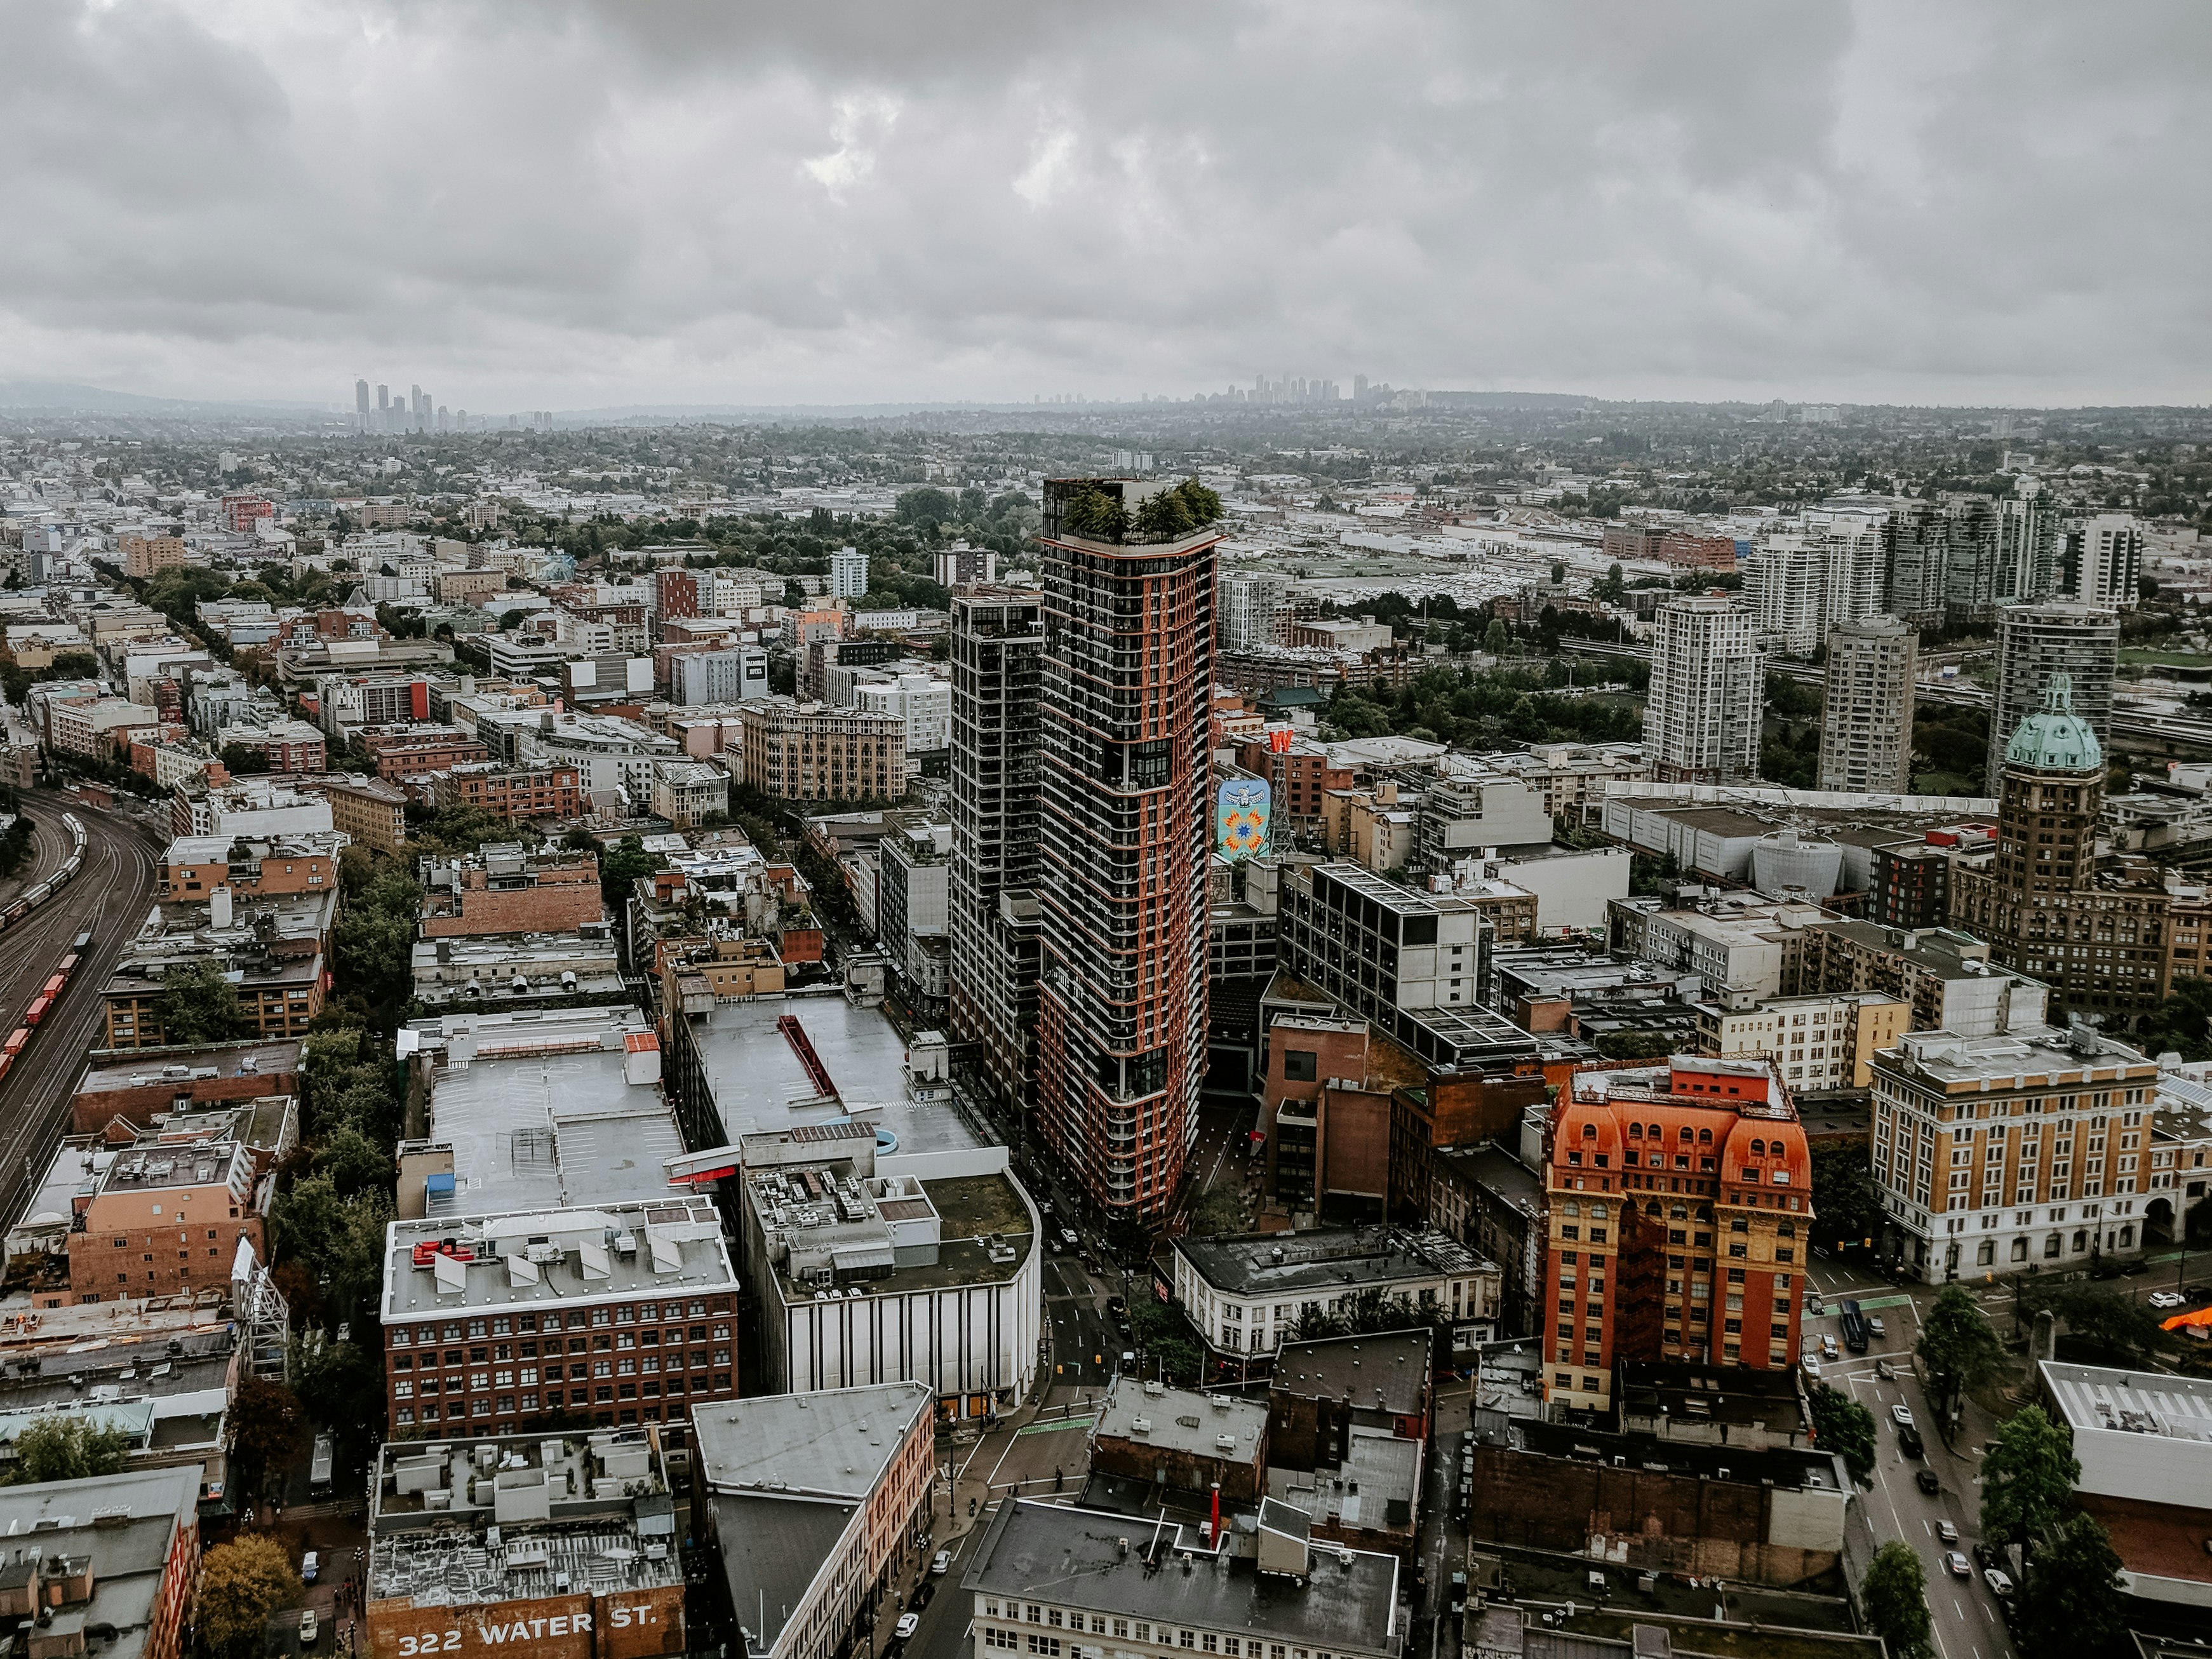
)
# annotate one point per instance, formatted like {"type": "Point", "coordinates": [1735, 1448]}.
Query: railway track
{"type": "Point", "coordinates": [109, 896]}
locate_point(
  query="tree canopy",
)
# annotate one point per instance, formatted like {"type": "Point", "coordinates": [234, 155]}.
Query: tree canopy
{"type": "Point", "coordinates": [1957, 1345]}
{"type": "Point", "coordinates": [197, 1004]}
{"type": "Point", "coordinates": [1842, 1425]}
{"type": "Point", "coordinates": [1894, 1595]}
{"type": "Point", "coordinates": [2071, 1606]}
{"type": "Point", "coordinates": [2027, 1477]}
{"type": "Point", "coordinates": [241, 1583]}
{"type": "Point", "coordinates": [65, 1447]}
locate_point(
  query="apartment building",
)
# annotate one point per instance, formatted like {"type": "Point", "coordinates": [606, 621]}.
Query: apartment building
{"type": "Point", "coordinates": [503, 890]}
{"type": "Point", "coordinates": [807, 751]}
{"type": "Point", "coordinates": [992, 911]}
{"type": "Point", "coordinates": [1944, 976]}
{"type": "Point", "coordinates": [163, 1219]}
{"type": "Point", "coordinates": [1817, 1042]}
{"type": "Point", "coordinates": [2034, 642]}
{"type": "Point", "coordinates": [688, 793]}
{"type": "Point", "coordinates": [368, 810]}
{"type": "Point", "coordinates": [1701, 720]}
{"type": "Point", "coordinates": [1866, 709]}
{"type": "Point", "coordinates": [1125, 821]}
{"type": "Point", "coordinates": [149, 555]}
{"type": "Point", "coordinates": [1246, 1295]}
{"type": "Point", "coordinates": [417, 754]}
{"type": "Point", "coordinates": [1378, 948]}
{"type": "Point", "coordinates": [1301, 779]}
{"type": "Point", "coordinates": [1571, 777]}
{"type": "Point", "coordinates": [1680, 1201]}
{"type": "Point", "coordinates": [2022, 1148]}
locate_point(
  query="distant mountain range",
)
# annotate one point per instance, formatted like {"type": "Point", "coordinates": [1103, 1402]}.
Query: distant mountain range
{"type": "Point", "coordinates": [64, 397]}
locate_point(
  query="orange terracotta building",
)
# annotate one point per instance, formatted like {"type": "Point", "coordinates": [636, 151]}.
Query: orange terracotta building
{"type": "Point", "coordinates": [1680, 1209]}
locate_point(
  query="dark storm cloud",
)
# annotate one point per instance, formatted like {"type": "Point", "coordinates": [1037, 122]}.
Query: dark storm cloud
{"type": "Point", "coordinates": [592, 203]}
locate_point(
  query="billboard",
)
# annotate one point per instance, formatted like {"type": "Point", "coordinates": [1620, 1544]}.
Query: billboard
{"type": "Point", "coordinates": [1240, 817]}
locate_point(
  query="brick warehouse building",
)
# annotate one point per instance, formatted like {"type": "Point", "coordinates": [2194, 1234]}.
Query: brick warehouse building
{"type": "Point", "coordinates": [1671, 1188]}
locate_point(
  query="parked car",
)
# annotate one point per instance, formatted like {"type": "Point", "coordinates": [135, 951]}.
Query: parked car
{"type": "Point", "coordinates": [309, 1565]}
{"type": "Point", "coordinates": [2167, 1299]}
{"type": "Point", "coordinates": [1998, 1580]}
{"type": "Point", "coordinates": [1829, 1351]}
{"type": "Point", "coordinates": [1926, 1480]}
{"type": "Point", "coordinates": [1874, 1324]}
{"type": "Point", "coordinates": [1812, 1364]}
{"type": "Point", "coordinates": [1957, 1564]}
{"type": "Point", "coordinates": [909, 1623]}
{"type": "Point", "coordinates": [942, 1564]}
{"type": "Point", "coordinates": [1945, 1530]}
{"type": "Point", "coordinates": [2135, 1268]}
{"type": "Point", "coordinates": [1884, 1370]}
{"type": "Point", "coordinates": [310, 1628]}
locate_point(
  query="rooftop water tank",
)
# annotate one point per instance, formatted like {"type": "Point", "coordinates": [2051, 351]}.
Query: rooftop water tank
{"type": "Point", "coordinates": [1786, 860]}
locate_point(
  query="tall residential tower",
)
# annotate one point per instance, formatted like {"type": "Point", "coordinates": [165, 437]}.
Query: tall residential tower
{"type": "Point", "coordinates": [1701, 716]}
{"type": "Point", "coordinates": [2035, 642]}
{"type": "Point", "coordinates": [1866, 713]}
{"type": "Point", "coordinates": [1124, 837]}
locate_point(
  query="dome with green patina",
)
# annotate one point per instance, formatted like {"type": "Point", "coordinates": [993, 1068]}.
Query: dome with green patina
{"type": "Point", "coordinates": [2054, 738]}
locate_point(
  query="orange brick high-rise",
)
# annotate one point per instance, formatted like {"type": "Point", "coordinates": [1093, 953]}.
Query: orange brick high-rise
{"type": "Point", "coordinates": [1124, 835]}
{"type": "Point", "coordinates": [1681, 1204]}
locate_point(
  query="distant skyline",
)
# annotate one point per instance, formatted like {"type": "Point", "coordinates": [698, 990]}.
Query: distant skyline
{"type": "Point", "coordinates": [594, 203]}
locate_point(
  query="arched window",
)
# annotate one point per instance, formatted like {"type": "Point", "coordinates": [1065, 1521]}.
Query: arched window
{"type": "Point", "coordinates": [1788, 1230]}
{"type": "Point", "coordinates": [1685, 1133]}
{"type": "Point", "coordinates": [1635, 1132]}
{"type": "Point", "coordinates": [1653, 1132]}
{"type": "Point", "coordinates": [1704, 1137]}
{"type": "Point", "coordinates": [1652, 1208]}
{"type": "Point", "coordinates": [1759, 1149]}
{"type": "Point", "coordinates": [1589, 1132]}
{"type": "Point", "coordinates": [1678, 1213]}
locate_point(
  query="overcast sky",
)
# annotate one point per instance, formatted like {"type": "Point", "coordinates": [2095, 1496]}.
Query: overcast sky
{"type": "Point", "coordinates": [565, 205]}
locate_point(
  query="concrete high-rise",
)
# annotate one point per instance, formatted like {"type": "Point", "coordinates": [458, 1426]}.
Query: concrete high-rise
{"type": "Point", "coordinates": [1124, 832]}
{"type": "Point", "coordinates": [1866, 714]}
{"type": "Point", "coordinates": [1970, 558]}
{"type": "Point", "coordinates": [1701, 716]}
{"type": "Point", "coordinates": [1855, 581]}
{"type": "Point", "coordinates": [2035, 642]}
{"type": "Point", "coordinates": [1247, 606]}
{"type": "Point", "coordinates": [1918, 535]}
{"type": "Point", "coordinates": [997, 652]}
{"type": "Point", "coordinates": [1785, 587]}
{"type": "Point", "coordinates": [849, 574]}
{"type": "Point", "coordinates": [2103, 560]}
{"type": "Point", "coordinates": [361, 406]}
{"type": "Point", "coordinates": [2028, 545]}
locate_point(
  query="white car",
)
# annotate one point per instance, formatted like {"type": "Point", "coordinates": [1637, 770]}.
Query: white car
{"type": "Point", "coordinates": [942, 1564]}
{"type": "Point", "coordinates": [2167, 1299]}
{"type": "Point", "coordinates": [1811, 1362]}
{"type": "Point", "coordinates": [1901, 1415]}
{"type": "Point", "coordinates": [310, 1627]}
{"type": "Point", "coordinates": [1946, 1531]}
{"type": "Point", "coordinates": [909, 1623]}
{"type": "Point", "coordinates": [2000, 1582]}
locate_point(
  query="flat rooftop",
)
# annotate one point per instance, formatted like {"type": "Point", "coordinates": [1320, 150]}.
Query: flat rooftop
{"type": "Point", "coordinates": [138, 1068]}
{"type": "Point", "coordinates": [760, 1085]}
{"type": "Point", "coordinates": [1386, 1372]}
{"type": "Point", "coordinates": [541, 1258]}
{"type": "Point", "coordinates": [834, 1443]}
{"type": "Point", "coordinates": [2078, 1055]}
{"type": "Point", "coordinates": [1781, 1466]}
{"type": "Point", "coordinates": [2132, 1402]}
{"type": "Point", "coordinates": [1348, 1602]}
{"type": "Point", "coordinates": [1182, 1420]}
{"type": "Point", "coordinates": [540, 1115]}
{"type": "Point", "coordinates": [1331, 1259]}
{"type": "Point", "coordinates": [594, 1510]}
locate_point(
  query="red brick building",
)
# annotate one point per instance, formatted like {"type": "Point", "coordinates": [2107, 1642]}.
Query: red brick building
{"type": "Point", "coordinates": [513, 793]}
{"type": "Point", "coordinates": [404, 753]}
{"type": "Point", "coordinates": [1680, 1215]}
{"type": "Point", "coordinates": [557, 894]}
{"type": "Point", "coordinates": [1299, 779]}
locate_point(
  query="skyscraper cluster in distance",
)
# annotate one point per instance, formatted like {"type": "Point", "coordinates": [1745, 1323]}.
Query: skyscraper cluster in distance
{"type": "Point", "coordinates": [389, 416]}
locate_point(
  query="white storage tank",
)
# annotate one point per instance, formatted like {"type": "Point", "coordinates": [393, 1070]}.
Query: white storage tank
{"type": "Point", "coordinates": [1786, 863]}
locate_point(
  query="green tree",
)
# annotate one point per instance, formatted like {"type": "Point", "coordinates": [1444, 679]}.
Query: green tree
{"type": "Point", "coordinates": [1559, 573]}
{"type": "Point", "coordinates": [65, 1449]}
{"type": "Point", "coordinates": [1846, 1203]}
{"type": "Point", "coordinates": [1494, 638]}
{"type": "Point", "coordinates": [240, 759]}
{"type": "Point", "coordinates": [198, 1004]}
{"type": "Point", "coordinates": [1610, 587]}
{"type": "Point", "coordinates": [241, 1583]}
{"type": "Point", "coordinates": [269, 1430]}
{"type": "Point", "coordinates": [1095, 515]}
{"type": "Point", "coordinates": [925, 506]}
{"type": "Point", "coordinates": [1894, 1596]}
{"type": "Point", "coordinates": [1956, 1345]}
{"type": "Point", "coordinates": [2182, 1022]}
{"type": "Point", "coordinates": [1180, 1360]}
{"type": "Point", "coordinates": [1842, 1425]}
{"type": "Point", "coordinates": [2027, 1477]}
{"type": "Point", "coordinates": [621, 865]}
{"type": "Point", "coordinates": [354, 1163]}
{"type": "Point", "coordinates": [2104, 1328]}
{"type": "Point", "coordinates": [2071, 1607]}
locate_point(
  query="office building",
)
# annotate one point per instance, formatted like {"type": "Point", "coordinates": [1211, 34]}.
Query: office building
{"type": "Point", "coordinates": [2025, 1150]}
{"type": "Point", "coordinates": [1701, 717]}
{"type": "Point", "coordinates": [2097, 938]}
{"type": "Point", "coordinates": [1126, 836]}
{"type": "Point", "coordinates": [1866, 710]}
{"type": "Point", "coordinates": [923, 701]}
{"type": "Point", "coordinates": [732, 674]}
{"type": "Point", "coordinates": [2102, 560]}
{"type": "Point", "coordinates": [1681, 1206]}
{"type": "Point", "coordinates": [1244, 1296]}
{"type": "Point", "coordinates": [1172, 1586]}
{"type": "Point", "coordinates": [561, 1546]}
{"type": "Point", "coordinates": [2035, 642]}
{"type": "Point", "coordinates": [1379, 948]}
{"type": "Point", "coordinates": [814, 1504]}
{"type": "Point", "coordinates": [361, 422]}
{"type": "Point", "coordinates": [849, 574]}
{"type": "Point", "coordinates": [2144, 1442]}
{"type": "Point", "coordinates": [1817, 1042]}
{"type": "Point", "coordinates": [992, 911]}
{"type": "Point", "coordinates": [117, 1562]}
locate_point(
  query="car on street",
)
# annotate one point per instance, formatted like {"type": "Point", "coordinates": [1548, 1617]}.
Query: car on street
{"type": "Point", "coordinates": [1874, 1324]}
{"type": "Point", "coordinates": [909, 1623]}
{"type": "Point", "coordinates": [924, 1594]}
{"type": "Point", "coordinates": [1814, 1304]}
{"type": "Point", "coordinates": [2135, 1268]}
{"type": "Point", "coordinates": [942, 1564]}
{"type": "Point", "coordinates": [1116, 1306]}
{"type": "Point", "coordinates": [1926, 1480]}
{"type": "Point", "coordinates": [1068, 1236]}
{"type": "Point", "coordinates": [1998, 1580]}
{"type": "Point", "coordinates": [1829, 1351]}
{"type": "Point", "coordinates": [2167, 1299]}
{"type": "Point", "coordinates": [309, 1565]}
{"type": "Point", "coordinates": [1909, 1443]}
{"type": "Point", "coordinates": [310, 1628]}
{"type": "Point", "coordinates": [1947, 1531]}
{"type": "Point", "coordinates": [1901, 1415]}
{"type": "Point", "coordinates": [1812, 1364]}
{"type": "Point", "coordinates": [1958, 1565]}
{"type": "Point", "coordinates": [1884, 1370]}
